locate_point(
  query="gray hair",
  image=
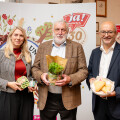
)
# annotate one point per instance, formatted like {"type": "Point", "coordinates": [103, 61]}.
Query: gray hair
{"type": "Point", "coordinates": [62, 21]}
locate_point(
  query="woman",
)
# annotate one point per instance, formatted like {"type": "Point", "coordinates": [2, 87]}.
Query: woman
{"type": "Point", "coordinates": [15, 61]}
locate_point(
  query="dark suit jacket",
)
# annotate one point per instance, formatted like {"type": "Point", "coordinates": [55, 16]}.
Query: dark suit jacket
{"type": "Point", "coordinates": [76, 68]}
{"type": "Point", "coordinates": [113, 74]}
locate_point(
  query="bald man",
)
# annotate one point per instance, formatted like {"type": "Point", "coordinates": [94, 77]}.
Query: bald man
{"type": "Point", "coordinates": [105, 62]}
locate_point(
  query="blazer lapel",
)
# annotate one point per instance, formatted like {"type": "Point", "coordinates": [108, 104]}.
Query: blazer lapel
{"type": "Point", "coordinates": [98, 58]}
{"type": "Point", "coordinates": [115, 54]}
{"type": "Point", "coordinates": [69, 50]}
{"type": "Point", "coordinates": [68, 53]}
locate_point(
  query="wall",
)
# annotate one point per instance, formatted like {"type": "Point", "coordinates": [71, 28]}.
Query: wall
{"type": "Point", "coordinates": [111, 13]}
{"type": "Point", "coordinates": [35, 1]}
{"type": "Point", "coordinates": [113, 8]}
{"type": "Point", "coordinates": [40, 1]}
{"type": "Point", "coordinates": [56, 1]}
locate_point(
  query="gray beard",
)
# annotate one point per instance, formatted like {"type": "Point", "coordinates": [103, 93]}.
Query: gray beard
{"type": "Point", "coordinates": [58, 41]}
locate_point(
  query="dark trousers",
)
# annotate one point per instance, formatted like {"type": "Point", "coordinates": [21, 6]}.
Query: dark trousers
{"type": "Point", "coordinates": [101, 111]}
{"type": "Point", "coordinates": [16, 106]}
{"type": "Point", "coordinates": [54, 106]}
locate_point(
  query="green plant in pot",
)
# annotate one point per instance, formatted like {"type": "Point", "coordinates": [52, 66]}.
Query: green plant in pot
{"type": "Point", "coordinates": [55, 72]}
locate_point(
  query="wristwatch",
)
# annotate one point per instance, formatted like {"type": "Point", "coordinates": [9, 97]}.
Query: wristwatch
{"type": "Point", "coordinates": [70, 83]}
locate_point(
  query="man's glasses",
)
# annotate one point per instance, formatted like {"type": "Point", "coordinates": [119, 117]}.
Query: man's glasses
{"type": "Point", "coordinates": [108, 32]}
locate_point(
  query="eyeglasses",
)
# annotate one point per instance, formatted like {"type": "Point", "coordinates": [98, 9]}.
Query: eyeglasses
{"type": "Point", "coordinates": [108, 32]}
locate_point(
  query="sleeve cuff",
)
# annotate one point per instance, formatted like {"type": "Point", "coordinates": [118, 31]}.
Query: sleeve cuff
{"type": "Point", "coordinates": [117, 90]}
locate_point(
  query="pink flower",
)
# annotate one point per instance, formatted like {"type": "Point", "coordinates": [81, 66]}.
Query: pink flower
{"type": "Point", "coordinates": [10, 21]}
{"type": "Point", "coordinates": [4, 16]}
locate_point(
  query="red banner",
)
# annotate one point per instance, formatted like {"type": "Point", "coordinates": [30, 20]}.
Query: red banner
{"type": "Point", "coordinates": [118, 28]}
{"type": "Point", "coordinates": [76, 20]}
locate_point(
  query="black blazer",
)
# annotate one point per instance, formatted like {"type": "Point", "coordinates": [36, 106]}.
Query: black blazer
{"type": "Point", "coordinates": [113, 74]}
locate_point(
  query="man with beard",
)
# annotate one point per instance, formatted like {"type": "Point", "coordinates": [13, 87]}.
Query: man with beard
{"type": "Point", "coordinates": [105, 62]}
{"type": "Point", "coordinates": [65, 96]}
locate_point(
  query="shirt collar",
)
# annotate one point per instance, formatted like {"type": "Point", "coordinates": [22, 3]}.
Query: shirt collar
{"type": "Point", "coordinates": [63, 44]}
{"type": "Point", "coordinates": [111, 48]}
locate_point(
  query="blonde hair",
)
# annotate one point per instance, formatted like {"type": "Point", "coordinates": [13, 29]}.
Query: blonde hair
{"type": "Point", "coordinates": [9, 46]}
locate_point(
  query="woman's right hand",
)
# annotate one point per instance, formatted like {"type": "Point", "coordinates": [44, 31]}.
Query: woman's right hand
{"type": "Point", "coordinates": [14, 86]}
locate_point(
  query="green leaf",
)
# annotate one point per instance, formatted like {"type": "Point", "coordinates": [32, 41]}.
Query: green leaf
{"type": "Point", "coordinates": [3, 21]}
{"type": "Point", "coordinates": [14, 16]}
{"type": "Point", "coordinates": [5, 25]}
{"type": "Point", "coordinates": [0, 17]}
{"type": "Point", "coordinates": [13, 19]}
{"type": "Point", "coordinates": [55, 68]}
{"type": "Point", "coordinates": [37, 31]}
{"type": "Point", "coordinates": [4, 29]}
{"type": "Point", "coordinates": [8, 17]}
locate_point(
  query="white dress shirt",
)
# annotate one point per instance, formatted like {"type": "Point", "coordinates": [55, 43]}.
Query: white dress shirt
{"type": "Point", "coordinates": [57, 51]}
{"type": "Point", "coordinates": [105, 60]}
